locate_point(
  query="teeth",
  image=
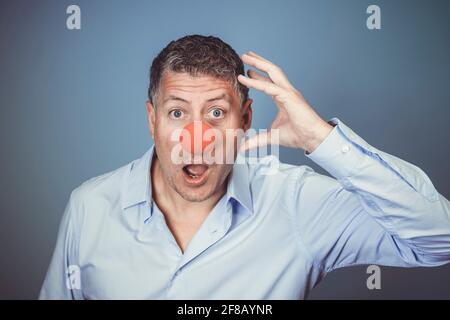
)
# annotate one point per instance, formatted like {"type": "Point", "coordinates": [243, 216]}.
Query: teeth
{"type": "Point", "coordinates": [191, 174]}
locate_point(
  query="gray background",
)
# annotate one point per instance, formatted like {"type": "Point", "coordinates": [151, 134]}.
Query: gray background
{"type": "Point", "coordinates": [72, 103]}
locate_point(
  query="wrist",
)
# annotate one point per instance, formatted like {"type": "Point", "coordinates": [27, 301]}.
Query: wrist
{"type": "Point", "coordinates": [320, 133]}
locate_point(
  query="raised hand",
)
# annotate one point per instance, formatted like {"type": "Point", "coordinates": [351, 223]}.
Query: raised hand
{"type": "Point", "coordinates": [298, 124]}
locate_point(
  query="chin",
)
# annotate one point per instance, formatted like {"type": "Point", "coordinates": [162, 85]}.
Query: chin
{"type": "Point", "coordinates": [194, 195]}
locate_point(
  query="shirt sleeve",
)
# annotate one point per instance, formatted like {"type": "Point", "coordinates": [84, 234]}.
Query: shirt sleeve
{"type": "Point", "coordinates": [378, 209]}
{"type": "Point", "coordinates": [63, 279]}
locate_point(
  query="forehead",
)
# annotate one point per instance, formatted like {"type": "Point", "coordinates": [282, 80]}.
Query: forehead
{"type": "Point", "coordinates": [196, 87]}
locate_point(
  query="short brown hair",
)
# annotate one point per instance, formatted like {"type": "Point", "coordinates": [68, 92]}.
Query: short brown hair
{"type": "Point", "coordinates": [198, 55]}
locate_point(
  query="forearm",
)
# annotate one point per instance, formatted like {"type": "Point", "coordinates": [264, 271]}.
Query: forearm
{"type": "Point", "coordinates": [397, 194]}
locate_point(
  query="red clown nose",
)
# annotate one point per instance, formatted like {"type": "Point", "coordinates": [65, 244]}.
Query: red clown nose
{"type": "Point", "coordinates": [194, 138]}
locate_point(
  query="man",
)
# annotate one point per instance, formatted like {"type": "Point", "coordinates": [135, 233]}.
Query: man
{"type": "Point", "coordinates": [158, 229]}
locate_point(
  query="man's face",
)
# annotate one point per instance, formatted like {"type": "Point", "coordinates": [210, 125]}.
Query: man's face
{"type": "Point", "coordinates": [183, 99]}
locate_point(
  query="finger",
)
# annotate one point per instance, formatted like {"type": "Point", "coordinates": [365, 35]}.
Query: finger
{"type": "Point", "coordinates": [264, 86]}
{"type": "Point", "coordinates": [274, 72]}
{"type": "Point", "coordinates": [255, 75]}
{"type": "Point", "coordinates": [259, 140]}
{"type": "Point", "coordinates": [257, 56]}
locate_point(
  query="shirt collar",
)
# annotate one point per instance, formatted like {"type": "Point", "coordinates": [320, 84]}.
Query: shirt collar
{"type": "Point", "coordinates": [238, 187]}
{"type": "Point", "coordinates": [137, 187]}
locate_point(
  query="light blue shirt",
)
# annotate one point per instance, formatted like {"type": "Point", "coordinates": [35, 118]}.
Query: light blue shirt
{"type": "Point", "coordinates": [271, 236]}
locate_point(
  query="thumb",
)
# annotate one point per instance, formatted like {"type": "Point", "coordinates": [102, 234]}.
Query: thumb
{"type": "Point", "coordinates": [259, 140]}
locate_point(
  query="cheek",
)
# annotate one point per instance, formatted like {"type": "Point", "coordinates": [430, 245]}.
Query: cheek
{"type": "Point", "coordinates": [165, 139]}
{"type": "Point", "coordinates": [167, 130]}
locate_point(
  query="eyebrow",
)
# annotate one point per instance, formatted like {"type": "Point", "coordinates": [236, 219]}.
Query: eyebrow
{"type": "Point", "coordinates": [223, 96]}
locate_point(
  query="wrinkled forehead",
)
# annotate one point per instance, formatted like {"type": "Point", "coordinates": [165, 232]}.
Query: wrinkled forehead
{"type": "Point", "coordinates": [199, 87]}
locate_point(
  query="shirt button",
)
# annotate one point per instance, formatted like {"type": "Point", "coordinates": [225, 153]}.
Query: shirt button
{"type": "Point", "coordinates": [345, 148]}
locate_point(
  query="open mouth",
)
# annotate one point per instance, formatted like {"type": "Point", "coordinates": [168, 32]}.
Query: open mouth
{"type": "Point", "coordinates": [195, 173]}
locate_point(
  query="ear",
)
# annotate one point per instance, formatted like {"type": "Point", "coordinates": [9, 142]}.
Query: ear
{"type": "Point", "coordinates": [247, 114]}
{"type": "Point", "coordinates": [151, 115]}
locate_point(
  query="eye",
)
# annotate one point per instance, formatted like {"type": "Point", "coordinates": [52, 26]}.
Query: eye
{"type": "Point", "coordinates": [216, 113]}
{"type": "Point", "coordinates": [176, 114]}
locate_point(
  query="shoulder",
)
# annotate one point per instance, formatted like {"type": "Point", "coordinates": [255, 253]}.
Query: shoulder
{"type": "Point", "coordinates": [269, 176]}
{"type": "Point", "coordinates": [105, 185]}
{"type": "Point", "coordinates": [102, 193]}
{"type": "Point", "coordinates": [269, 169]}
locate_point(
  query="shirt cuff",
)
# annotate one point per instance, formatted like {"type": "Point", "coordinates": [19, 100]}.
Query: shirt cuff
{"type": "Point", "coordinates": [340, 153]}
